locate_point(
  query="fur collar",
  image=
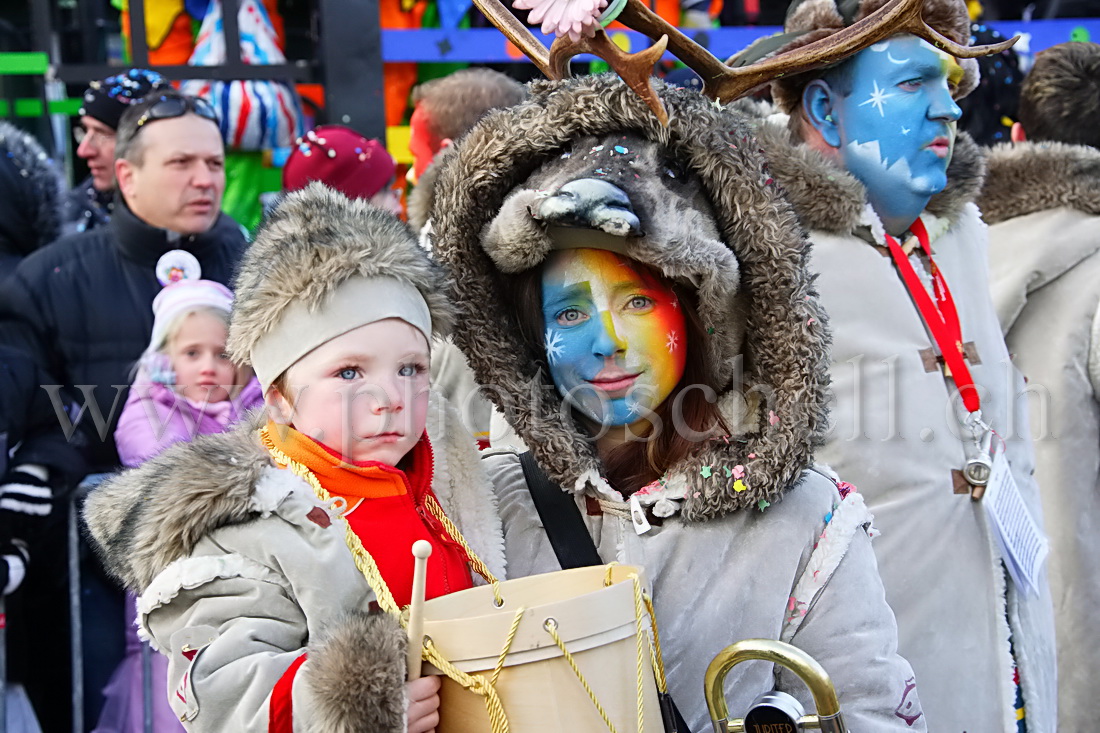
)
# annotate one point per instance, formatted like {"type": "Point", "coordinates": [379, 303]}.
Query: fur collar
{"type": "Point", "coordinates": [143, 519]}
{"type": "Point", "coordinates": [829, 199]}
{"type": "Point", "coordinates": [749, 265]}
{"type": "Point", "coordinates": [1028, 177]}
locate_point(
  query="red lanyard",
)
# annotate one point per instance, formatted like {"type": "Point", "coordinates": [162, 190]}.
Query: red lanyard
{"type": "Point", "coordinates": [941, 317]}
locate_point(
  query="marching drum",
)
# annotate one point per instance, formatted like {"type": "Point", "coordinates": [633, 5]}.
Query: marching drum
{"type": "Point", "coordinates": [572, 650]}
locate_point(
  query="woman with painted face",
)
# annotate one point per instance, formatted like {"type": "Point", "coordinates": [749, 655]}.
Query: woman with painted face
{"type": "Point", "coordinates": [635, 300]}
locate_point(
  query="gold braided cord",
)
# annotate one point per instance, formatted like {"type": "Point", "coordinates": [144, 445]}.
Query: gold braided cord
{"type": "Point", "coordinates": [640, 638]}
{"type": "Point", "coordinates": [477, 684]}
{"type": "Point", "coordinates": [362, 558]}
{"type": "Point", "coordinates": [551, 627]}
{"type": "Point", "coordinates": [476, 563]}
{"type": "Point", "coordinates": [658, 658]}
{"type": "Point", "coordinates": [507, 645]}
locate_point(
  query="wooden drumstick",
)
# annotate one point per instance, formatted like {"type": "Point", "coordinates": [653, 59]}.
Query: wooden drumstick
{"type": "Point", "coordinates": [421, 550]}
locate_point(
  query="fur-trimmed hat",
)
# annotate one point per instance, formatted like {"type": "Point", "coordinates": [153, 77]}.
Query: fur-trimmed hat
{"type": "Point", "coordinates": [811, 20]}
{"type": "Point", "coordinates": [323, 265]}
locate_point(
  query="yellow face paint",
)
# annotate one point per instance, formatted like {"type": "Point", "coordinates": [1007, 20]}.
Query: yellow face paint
{"type": "Point", "coordinates": [615, 335]}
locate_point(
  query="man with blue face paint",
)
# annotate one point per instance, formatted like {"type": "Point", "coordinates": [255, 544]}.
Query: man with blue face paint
{"type": "Point", "coordinates": [925, 395]}
{"type": "Point", "coordinates": [889, 114]}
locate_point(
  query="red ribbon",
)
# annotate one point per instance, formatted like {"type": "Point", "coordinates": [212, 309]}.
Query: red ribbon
{"type": "Point", "coordinates": [941, 317]}
{"type": "Point", "coordinates": [281, 706]}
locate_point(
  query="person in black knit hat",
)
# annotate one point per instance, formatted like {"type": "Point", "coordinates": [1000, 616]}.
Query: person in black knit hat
{"type": "Point", "coordinates": [104, 102]}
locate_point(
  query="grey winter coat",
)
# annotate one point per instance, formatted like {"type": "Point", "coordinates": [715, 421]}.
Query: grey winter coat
{"type": "Point", "coordinates": [896, 434]}
{"type": "Point", "coordinates": [1042, 204]}
{"type": "Point", "coordinates": [753, 543]}
{"type": "Point", "coordinates": [240, 570]}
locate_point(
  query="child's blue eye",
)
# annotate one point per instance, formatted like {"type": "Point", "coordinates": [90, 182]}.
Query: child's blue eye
{"type": "Point", "coordinates": [348, 373]}
{"type": "Point", "coordinates": [410, 370]}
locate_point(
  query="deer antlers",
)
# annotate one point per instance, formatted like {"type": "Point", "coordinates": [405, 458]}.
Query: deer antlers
{"type": "Point", "coordinates": [721, 82]}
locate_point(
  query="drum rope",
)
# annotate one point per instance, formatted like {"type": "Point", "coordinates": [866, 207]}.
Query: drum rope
{"type": "Point", "coordinates": [551, 627]}
{"type": "Point", "coordinates": [477, 684]}
{"type": "Point", "coordinates": [475, 561]}
{"type": "Point", "coordinates": [655, 650]}
{"type": "Point", "coordinates": [507, 645]}
{"type": "Point", "coordinates": [640, 637]}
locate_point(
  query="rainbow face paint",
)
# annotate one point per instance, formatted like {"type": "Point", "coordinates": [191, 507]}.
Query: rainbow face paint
{"type": "Point", "coordinates": [615, 336]}
{"type": "Point", "coordinates": [897, 126]}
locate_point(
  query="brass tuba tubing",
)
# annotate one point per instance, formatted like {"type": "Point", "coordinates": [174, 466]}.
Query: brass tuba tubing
{"type": "Point", "coordinates": [828, 717]}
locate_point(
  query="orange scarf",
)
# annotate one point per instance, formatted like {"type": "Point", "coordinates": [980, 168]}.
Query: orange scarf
{"type": "Point", "coordinates": [394, 518]}
{"type": "Point", "coordinates": [352, 481]}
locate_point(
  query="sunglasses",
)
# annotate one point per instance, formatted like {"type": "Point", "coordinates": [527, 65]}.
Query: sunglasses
{"type": "Point", "coordinates": [94, 137]}
{"type": "Point", "coordinates": [169, 107]}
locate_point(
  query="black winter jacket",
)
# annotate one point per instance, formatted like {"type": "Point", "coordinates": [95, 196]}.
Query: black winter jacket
{"type": "Point", "coordinates": [83, 309]}
{"type": "Point", "coordinates": [30, 429]}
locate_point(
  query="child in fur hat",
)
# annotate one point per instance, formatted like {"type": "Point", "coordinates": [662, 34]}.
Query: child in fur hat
{"type": "Point", "coordinates": [239, 543]}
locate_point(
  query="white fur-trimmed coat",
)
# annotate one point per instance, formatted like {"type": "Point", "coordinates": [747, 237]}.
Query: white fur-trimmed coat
{"type": "Point", "coordinates": [895, 434]}
{"type": "Point", "coordinates": [1042, 203]}
{"type": "Point", "coordinates": [237, 578]}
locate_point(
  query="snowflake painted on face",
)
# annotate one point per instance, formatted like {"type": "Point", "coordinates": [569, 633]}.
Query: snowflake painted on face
{"type": "Point", "coordinates": [905, 131]}
{"type": "Point", "coordinates": [673, 341]}
{"type": "Point", "coordinates": [878, 99]}
{"type": "Point", "coordinates": [553, 345]}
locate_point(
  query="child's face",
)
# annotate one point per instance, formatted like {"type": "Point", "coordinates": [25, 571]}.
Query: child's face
{"type": "Point", "coordinates": [363, 394]}
{"type": "Point", "coordinates": [197, 353]}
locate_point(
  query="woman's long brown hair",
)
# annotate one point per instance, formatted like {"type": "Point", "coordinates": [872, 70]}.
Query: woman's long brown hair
{"type": "Point", "coordinates": [648, 456]}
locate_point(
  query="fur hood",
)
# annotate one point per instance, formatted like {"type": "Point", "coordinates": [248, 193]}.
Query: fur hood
{"type": "Point", "coordinates": [814, 20]}
{"type": "Point", "coordinates": [829, 199]}
{"type": "Point", "coordinates": [713, 220]}
{"type": "Point", "coordinates": [1028, 177]}
{"type": "Point", "coordinates": [145, 518]}
{"type": "Point", "coordinates": [315, 240]}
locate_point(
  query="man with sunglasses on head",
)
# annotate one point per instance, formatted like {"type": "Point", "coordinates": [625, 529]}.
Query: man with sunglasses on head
{"type": "Point", "coordinates": [83, 305]}
{"type": "Point", "coordinates": [91, 201]}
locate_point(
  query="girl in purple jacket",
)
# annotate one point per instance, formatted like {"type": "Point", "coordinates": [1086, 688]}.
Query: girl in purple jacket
{"type": "Point", "coordinates": [184, 386]}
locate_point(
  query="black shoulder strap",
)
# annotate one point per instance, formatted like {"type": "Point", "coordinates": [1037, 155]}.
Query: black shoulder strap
{"type": "Point", "coordinates": [574, 547]}
{"type": "Point", "coordinates": [560, 518]}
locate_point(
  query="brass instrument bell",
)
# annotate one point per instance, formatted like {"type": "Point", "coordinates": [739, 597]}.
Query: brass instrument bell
{"type": "Point", "coordinates": [775, 711]}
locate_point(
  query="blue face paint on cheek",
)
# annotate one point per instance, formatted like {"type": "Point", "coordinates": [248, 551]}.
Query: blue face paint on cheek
{"type": "Point", "coordinates": [572, 330]}
{"type": "Point", "coordinates": [897, 125]}
{"type": "Point", "coordinates": [612, 336]}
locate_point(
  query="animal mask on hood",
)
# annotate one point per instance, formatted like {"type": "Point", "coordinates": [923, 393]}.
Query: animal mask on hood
{"type": "Point", "coordinates": [701, 209]}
